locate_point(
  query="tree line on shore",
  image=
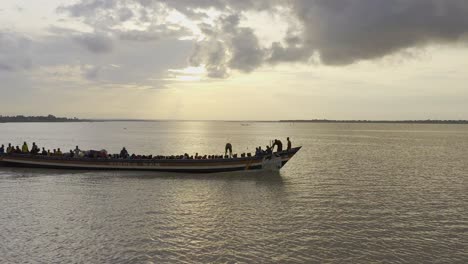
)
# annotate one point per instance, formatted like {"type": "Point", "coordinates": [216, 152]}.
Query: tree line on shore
{"type": "Point", "coordinates": [48, 118]}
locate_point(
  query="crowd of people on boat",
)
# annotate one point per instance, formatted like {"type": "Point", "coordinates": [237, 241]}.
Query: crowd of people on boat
{"type": "Point", "coordinates": [77, 153]}
{"type": "Point", "coordinates": [35, 150]}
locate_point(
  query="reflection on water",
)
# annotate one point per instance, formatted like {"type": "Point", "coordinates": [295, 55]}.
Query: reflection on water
{"type": "Point", "coordinates": [354, 193]}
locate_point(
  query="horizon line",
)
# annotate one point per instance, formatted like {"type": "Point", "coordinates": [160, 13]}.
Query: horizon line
{"type": "Point", "coordinates": [75, 119]}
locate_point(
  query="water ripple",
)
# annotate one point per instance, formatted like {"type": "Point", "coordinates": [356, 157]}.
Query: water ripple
{"type": "Point", "coordinates": [350, 196]}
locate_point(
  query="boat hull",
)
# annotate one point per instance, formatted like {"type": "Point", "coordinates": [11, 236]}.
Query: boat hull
{"type": "Point", "coordinates": [268, 162]}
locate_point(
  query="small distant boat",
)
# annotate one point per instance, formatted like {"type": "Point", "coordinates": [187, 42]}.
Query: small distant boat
{"type": "Point", "coordinates": [273, 161]}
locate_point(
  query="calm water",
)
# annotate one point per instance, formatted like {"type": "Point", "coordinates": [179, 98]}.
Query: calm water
{"type": "Point", "coordinates": [355, 193]}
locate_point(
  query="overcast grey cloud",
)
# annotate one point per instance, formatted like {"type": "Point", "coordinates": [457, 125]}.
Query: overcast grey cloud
{"type": "Point", "coordinates": [14, 52]}
{"type": "Point", "coordinates": [95, 42]}
{"type": "Point", "coordinates": [91, 72]}
{"type": "Point", "coordinates": [228, 46]}
{"type": "Point", "coordinates": [336, 32]}
{"type": "Point", "coordinates": [331, 32]}
{"type": "Point", "coordinates": [125, 14]}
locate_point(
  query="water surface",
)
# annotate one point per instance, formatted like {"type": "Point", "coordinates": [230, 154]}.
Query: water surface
{"type": "Point", "coordinates": [355, 193]}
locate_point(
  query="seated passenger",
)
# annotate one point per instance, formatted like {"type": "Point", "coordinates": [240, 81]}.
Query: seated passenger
{"type": "Point", "coordinates": [17, 150]}
{"type": "Point", "coordinates": [2, 149]}
{"type": "Point", "coordinates": [59, 152]}
{"type": "Point", "coordinates": [268, 150]}
{"type": "Point", "coordinates": [9, 149]}
{"type": "Point", "coordinates": [34, 149]}
{"type": "Point", "coordinates": [25, 148]}
{"type": "Point", "coordinates": [124, 153]}
{"type": "Point", "coordinates": [44, 152]}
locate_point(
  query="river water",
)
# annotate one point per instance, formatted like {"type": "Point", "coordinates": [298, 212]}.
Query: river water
{"type": "Point", "coordinates": [355, 193]}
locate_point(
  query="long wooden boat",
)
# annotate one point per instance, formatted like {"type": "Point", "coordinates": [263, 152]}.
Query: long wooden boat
{"type": "Point", "coordinates": [273, 161]}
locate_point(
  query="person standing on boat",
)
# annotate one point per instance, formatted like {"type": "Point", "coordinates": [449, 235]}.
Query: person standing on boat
{"type": "Point", "coordinates": [289, 144]}
{"type": "Point", "coordinates": [278, 144]}
{"type": "Point", "coordinates": [227, 149]}
{"type": "Point", "coordinates": [76, 152]}
{"type": "Point", "coordinates": [25, 148]}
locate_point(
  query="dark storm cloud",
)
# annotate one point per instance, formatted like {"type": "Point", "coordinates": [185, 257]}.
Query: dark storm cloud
{"type": "Point", "coordinates": [246, 52]}
{"type": "Point", "coordinates": [333, 32]}
{"type": "Point", "coordinates": [340, 32]}
{"type": "Point", "coordinates": [343, 32]}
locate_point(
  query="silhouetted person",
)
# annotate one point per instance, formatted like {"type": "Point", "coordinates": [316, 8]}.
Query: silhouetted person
{"type": "Point", "coordinates": [76, 152]}
{"type": "Point", "coordinates": [9, 149]}
{"type": "Point", "coordinates": [278, 144]}
{"type": "Point", "coordinates": [34, 149]}
{"type": "Point", "coordinates": [124, 153]}
{"type": "Point", "coordinates": [289, 144]}
{"type": "Point", "coordinates": [268, 150]}
{"type": "Point", "coordinates": [44, 152]}
{"type": "Point", "coordinates": [2, 149]}
{"type": "Point", "coordinates": [257, 152]}
{"type": "Point", "coordinates": [227, 149]}
{"type": "Point", "coordinates": [17, 150]}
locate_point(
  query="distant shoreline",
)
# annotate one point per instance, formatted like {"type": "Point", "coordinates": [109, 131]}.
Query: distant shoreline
{"type": "Point", "coordinates": [379, 121]}
{"type": "Point", "coordinates": [53, 119]}
{"type": "Point", "coordinates": [38, 119]}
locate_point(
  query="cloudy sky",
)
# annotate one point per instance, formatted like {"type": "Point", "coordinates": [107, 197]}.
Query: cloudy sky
{"type": "Point", "coordinates": [235, 59]}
